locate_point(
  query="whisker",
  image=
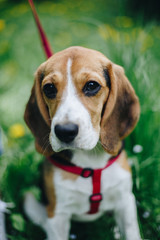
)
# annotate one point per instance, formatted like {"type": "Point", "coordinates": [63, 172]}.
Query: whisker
{"type": "Point", "coordinates": [99, 141]}
{"type": "Point", "coordinates": [46, 142]}
{"type": "Point", "coordinates": [47, 145]}
{"type": "Point", "coordinates": [46, 137]}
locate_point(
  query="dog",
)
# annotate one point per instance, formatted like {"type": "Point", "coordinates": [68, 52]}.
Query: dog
{"type": "Point", "coordinates": [81, 108]}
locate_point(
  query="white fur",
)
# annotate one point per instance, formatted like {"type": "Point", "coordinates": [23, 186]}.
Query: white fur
{"type": "Point", "coordinates": [72, 110]}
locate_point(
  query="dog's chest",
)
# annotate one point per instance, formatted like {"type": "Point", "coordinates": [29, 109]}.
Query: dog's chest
{"type": "Point", "coordinates": [73, 192]}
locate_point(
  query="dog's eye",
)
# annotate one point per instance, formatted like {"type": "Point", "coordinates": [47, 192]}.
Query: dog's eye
{"type": "Point", "coordinates": [91, 88]}
{"type": "Point", "coordinates": [50, 90]}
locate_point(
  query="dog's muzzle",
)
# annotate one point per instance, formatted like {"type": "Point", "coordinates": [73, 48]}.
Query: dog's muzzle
{"type": "Point", "coordinates": [66, 132]}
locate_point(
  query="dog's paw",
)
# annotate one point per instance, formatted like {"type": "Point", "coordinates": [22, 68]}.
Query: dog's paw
{"type": "Point", "coordinates": [34, 210]}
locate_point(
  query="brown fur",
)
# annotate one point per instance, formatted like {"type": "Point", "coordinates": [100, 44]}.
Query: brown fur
{"type": "Point", "coordinates": [37, 125]}
{"type": "Point", "coordinates": [68, 175]}
{"type": "Point", "coordinates": [49, 188]}
{"type": "Point", "coordinates": [124, 114]}
{"type": "Point", "coordinates": [122, 160]}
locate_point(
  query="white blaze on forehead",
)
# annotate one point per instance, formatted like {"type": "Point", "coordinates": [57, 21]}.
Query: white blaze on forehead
{"type": "Point", "coordinates": [70, 100]}
{"type": "Point", "coordinates": [70, 96]}
{"type": "Point", "coordinates": [72, 110]}
{"type": "Point", "coordinates": [69, 74]}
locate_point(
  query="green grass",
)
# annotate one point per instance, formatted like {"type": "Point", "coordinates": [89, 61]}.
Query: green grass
{"type": "Point", "coordinates": [125, 41]}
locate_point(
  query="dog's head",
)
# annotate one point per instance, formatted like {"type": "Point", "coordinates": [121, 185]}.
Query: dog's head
{"type": "Point", "coordinates": [80, 97]}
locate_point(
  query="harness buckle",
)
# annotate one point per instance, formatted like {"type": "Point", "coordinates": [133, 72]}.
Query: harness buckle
{"type": "Point", "coordinates": [87, 172]}
{"type": "Point", "coordinates": [95, 198]}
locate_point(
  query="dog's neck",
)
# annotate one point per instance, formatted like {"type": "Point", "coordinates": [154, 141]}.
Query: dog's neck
{"type": "Point", "coordinates": [95, 158]}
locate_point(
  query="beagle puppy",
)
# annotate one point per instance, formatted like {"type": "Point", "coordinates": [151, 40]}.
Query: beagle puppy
{"type": "Point", "coordinates": [81, 108]}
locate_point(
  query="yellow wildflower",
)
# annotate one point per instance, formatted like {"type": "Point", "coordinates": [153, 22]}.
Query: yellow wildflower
{"type": "Point", "coordinates": [17, 130]}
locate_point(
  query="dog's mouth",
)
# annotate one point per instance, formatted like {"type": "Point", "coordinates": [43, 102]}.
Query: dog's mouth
{"type": "Point", "coordinates": [78, 143]}
{"type": "Point", "coordinates": [59, 146]}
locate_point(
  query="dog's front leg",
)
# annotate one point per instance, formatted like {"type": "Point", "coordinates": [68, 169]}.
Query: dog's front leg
{"type": "Point", "coordinates": [126, 216]}
{"type": "Point", "coordinates": [57, 228]}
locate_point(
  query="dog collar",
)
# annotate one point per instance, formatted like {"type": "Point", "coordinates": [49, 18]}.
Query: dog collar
{"type": "Point", "coordinates": [95, 174]}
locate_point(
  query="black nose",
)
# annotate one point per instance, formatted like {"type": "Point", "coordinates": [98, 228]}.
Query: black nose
{"type": "Point", "coordinates": [66, 132]}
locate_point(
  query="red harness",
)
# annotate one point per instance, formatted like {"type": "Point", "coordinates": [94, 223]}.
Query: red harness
{"type": "Point", "coordinates": [96, 196]}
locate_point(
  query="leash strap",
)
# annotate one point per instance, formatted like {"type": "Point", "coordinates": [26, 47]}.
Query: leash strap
{"type": "Point", "coordinates": [96, 196]}
{"type": "Point", "coordinates": [43, 38]}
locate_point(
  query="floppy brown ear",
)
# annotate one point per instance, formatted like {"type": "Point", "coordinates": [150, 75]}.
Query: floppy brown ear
{"type": "Point", "coordinates": [121, 112]}
{"type": "Point", "coordinates": [37, 118]}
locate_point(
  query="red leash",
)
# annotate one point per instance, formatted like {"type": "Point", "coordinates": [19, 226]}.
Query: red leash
{"type": "Point", "coordinates": [96, 196]}
{"type": "Point", "coordinates": [44, 40]}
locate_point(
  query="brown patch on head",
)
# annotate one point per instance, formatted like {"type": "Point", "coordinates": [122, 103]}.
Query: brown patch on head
{"type": "Point", "coordinates": [57, 79]}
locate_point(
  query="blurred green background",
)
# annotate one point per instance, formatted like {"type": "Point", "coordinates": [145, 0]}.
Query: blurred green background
{"type": "Point", "coordinates": [127, 32]}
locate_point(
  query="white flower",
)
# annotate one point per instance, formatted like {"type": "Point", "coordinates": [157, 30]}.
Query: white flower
{"type": "Point", "coordinates": [137, 148]}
